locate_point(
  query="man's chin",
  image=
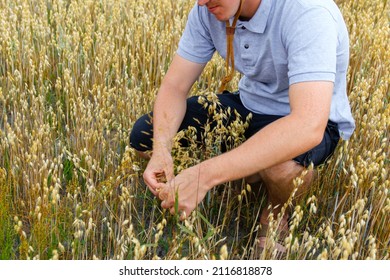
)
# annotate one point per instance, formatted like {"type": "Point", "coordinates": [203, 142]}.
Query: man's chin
{"type": "Point", "coordinates": [221, 17]}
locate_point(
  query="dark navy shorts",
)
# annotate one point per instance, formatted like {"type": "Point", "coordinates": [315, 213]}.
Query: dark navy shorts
{"type": "Point", "coordinates": [196, 116]}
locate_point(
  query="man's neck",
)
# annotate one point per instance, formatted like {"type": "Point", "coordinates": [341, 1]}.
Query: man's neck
{"type": "Point", "coordinates": [249, 9]}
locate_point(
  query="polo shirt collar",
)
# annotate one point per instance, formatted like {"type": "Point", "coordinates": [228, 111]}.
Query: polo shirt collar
{"type": "Point", "coordinates": [258, 22]}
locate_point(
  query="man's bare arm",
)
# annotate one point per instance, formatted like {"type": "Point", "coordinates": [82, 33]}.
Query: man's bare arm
{"type": "Point", "coordinates": [283, 139]}
{"type": "Point", "coordinates": [170, 104]}
{"type": "Point", "coordinates": [168, 113]}
{"type": "Point", "coordinates": [278, 142]}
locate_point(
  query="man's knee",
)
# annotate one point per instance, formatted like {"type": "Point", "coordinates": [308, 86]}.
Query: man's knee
{"type": "Point", "coordinates": [142, 134]}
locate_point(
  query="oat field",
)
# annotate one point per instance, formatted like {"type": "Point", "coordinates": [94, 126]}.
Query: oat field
{"type": "Point", "coordinates": [74, 77]}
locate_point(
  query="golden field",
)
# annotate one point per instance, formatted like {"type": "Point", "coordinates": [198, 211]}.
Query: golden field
{"type": "Point", "coordinates": [74, 77]}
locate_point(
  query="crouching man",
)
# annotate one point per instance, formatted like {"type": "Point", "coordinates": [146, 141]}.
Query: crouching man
{"type": "Point", "coordinates": [293, 56]}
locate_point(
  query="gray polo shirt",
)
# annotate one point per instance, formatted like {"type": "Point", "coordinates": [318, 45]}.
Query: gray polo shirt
{"type": "Point", "coordinates": [285, 42]}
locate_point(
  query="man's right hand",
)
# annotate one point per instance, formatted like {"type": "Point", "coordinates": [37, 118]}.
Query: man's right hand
{"type": "Point", "coordinates": [160, 166]}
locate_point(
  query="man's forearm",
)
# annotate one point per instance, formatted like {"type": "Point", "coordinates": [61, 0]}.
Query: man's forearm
{"type": "Point", "coordinates": [168, 114]}
{"type": "Point", "coordinates": [170, 105]}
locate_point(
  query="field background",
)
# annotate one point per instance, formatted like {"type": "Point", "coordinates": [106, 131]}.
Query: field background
{"type": "Point", "coordinates": [74, 77]}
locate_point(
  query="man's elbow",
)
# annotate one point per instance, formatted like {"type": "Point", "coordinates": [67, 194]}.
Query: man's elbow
{"type": "Point", "coordinates": [310, 129]}
{"type": "Point", "coordinates": [316, 132]}
{"type": "Point", "coordinates": [317, 138]}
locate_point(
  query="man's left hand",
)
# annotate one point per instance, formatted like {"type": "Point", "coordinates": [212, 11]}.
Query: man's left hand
{"type": "Point", "coordinates": [187, 188]}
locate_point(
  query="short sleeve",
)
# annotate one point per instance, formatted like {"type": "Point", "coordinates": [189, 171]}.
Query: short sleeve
{"type": "Point", "coordinates": [196, 44]}
{"type": "Point", "coordinates": [311, 43]}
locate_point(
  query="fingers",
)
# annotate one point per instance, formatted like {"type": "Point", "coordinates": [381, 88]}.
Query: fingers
{"type": "Point", "coordinates": [168, 200]}
{"type": "Point", "coordinates": [167, 192]}
{"type": "Point", "coordinates": [182, 213]}
{"type": "Point", "coordinates": [169, 175]}
{"type": "Point", "coordinates": [162, 196]}
{"type": "Point", "coordinates": [155, 174]}
{"type": "Point", "coordinates": [154, 192]}
{"type": "Point", "coordinates": [166, 196]}
{"type": "Point", "coordinates": [150, 181]}
{"type": "Point", "coordinates": [165, 205]}
{"type": "Point", "coordinates": [155, 187]}
{"type": "Point", "coordinates": [154, 180]}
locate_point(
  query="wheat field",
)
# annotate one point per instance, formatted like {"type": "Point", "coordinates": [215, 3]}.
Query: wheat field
{"type": "Point", "coordinates": [74, 77]}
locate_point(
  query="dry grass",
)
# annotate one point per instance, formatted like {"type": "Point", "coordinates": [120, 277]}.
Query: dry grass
{"type": "Point", "coordinates": [75, 75]}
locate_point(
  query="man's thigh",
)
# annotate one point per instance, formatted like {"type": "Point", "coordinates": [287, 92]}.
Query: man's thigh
{"type": "Point", "coordinates": [197, 115]}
